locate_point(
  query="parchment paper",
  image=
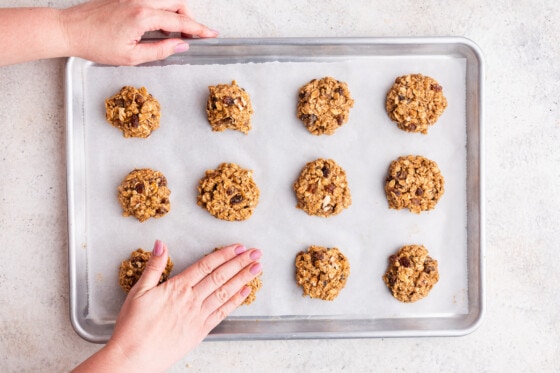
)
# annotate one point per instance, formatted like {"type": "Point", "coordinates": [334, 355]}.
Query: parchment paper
{"type": "Point", "coordinates": [276, 149]}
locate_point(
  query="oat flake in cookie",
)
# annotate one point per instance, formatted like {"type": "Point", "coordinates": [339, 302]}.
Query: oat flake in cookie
{"type": "Point", "coordinates": [321, 272]}
{"type": "Point", "coordinates": [324, 105]}
{"type": "Point", "coordinates": [415, 102]}
{"type": "Point", "coordinates": [134, 111]}
{"type": "Point", "coordinates": [229, 106]}
{"type": "Point", "coordinates": [411, 273]}
{"type": "Point", "coordinates": [322, 188]}
{"type": "Point", "coordinates": [415, 183]}
{"type": "Point", "coordinates": [255, 285]}
{"type": "Point", "coordinates": [132, 268]}
{"type": "Point", "coordinates": [228, 192]}
{"type": "Point", "coordinates": [144, 194]}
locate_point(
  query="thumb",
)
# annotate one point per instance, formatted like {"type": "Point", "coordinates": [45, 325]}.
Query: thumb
{"type": "Point", "coordinates": [152, 51]}
{"type": "Point", "coordinates": [153, 270]}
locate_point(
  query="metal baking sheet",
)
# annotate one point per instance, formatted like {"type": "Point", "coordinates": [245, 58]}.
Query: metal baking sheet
{"type": "Point", "coordinates": [98, 157]}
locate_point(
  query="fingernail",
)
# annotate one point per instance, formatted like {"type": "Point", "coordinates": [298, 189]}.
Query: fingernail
{"type": "Point", "coordinates": [158, 248]}
{"type": "Point", "coordinates": [180, 48]}
{"type": "Point", "coordinates": [215, 31]}
{"type": "Point", "coordinates": [256, 254]}
{"type": "Point", "coordinates": [256, 269]}
{"type": "Point", "coordinates": [240, 249]}
{"type": "Point", "coordinates": [245, 291]}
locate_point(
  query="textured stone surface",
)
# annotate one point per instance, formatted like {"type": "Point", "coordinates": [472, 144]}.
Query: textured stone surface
{"type": "Point", "coordinates": [521, 330]}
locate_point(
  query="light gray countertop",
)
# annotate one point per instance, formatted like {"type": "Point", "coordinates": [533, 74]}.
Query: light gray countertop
{"type": "Point", "coordinates": [521, 328]}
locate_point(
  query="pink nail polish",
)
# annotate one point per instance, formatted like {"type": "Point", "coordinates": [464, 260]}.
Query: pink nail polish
{"type": "Point", "coordinates": [256, 254]}
{"type": "Point", "coordinates": [245, 291]}
{"type": "Point", "coordinates": [180, 48]}
{"type": "Point", "coordinates": [240, 249]}
{"type": "Point", "coordinates": [256, 269]}
{"type": "Point", "coordinates": [158, 248]}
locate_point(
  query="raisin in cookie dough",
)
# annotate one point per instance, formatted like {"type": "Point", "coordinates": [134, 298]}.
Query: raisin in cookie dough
{"type": "Point", "coordinates": [324, 105]}
{"type": "Point", "coordinates": [255, 285]}
{"type": "Point", "coordinates": [322, 188]}
{"type": "Point", "coordinates": [415, 183]}
{"type": "Point", "coordinates": [411, 273]}
{"type": "Point", "coordinates": [321, 272]}
{"type": "Point", "coordinates": [144, 194]}
{"type": "Point", "coordinates": [415, 102]}
{"type": "Point", "coordinates": [132, 268]}
{"type": "Point", "coordinates": [134, 111]}
{"type": "Point", "coordinates": [229, 106]}
{"type": "Point", "coordinates": [228, 192]}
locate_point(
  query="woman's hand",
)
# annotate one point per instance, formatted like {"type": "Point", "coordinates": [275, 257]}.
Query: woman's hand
{"type": "Point", "coordinates": [103, 31]}
{"type": "Point", "coordinates": [158, 325]}
{"type": "Point", "coordinates": [109, 31]}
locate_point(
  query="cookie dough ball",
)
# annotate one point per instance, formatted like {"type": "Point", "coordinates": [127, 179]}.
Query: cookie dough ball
{"type": "Point", "coordinates": [411, 273]}
{"type": "Point", "coordinates": [324, 105]}
{"type": "Point", "coordinates": [255, 285]}
{"type": "Point", "coordinates": [228, 192]}
{"type": "Point", "coordinates": [322, 188]}
{"type": "Point", "coordinates": [134, 111]}
{"type": "Point", "coordinates": [322, 272]}
{"type": "Point", "coordinates": [415, 102]}
{"type": "Point", "coordinates": [144, 194]}
{"type": "Point", "coordinates": [415, 183]}
{"type": "Point", "coordinates": [132, 268]}
{"type": "Point", "coordinates": [229, 106]}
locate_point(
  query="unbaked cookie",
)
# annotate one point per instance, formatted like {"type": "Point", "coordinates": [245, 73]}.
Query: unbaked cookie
{"type": "Point", "coordinates": [229, 106]}
{"type": "Point", "coordinates": [411, 273]}
{"type": "Point", "coordinates": [322, 188]}
{"type": "Point", "coordinates": [255, 285]}
{"type": "Point", "coordinates": [415, 183]}
{"type": "Point", "coordinates": [324, 105]}
{"type": "Point", "coordinates": [144, 194]}
{"type": "Point", "coordinates": [322, 272]}
{"type": "Point", "coordinates": [228, 192]}
{"type": "Point", "coordinates": [415, 102]}
{"type": "Point", "coordinates": [134, 111]}
{"type": "Point", "coordinates": [132, 268]}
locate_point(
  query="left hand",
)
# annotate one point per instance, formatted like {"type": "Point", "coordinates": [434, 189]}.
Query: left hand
{"type": "Point", "coordinates": [109, 31]}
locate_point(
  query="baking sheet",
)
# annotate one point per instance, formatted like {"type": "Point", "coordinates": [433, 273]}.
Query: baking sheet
{"type": "Point", "coordinates": [276, 149]}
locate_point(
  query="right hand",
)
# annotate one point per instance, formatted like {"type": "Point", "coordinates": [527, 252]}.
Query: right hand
{"type": "Point", "coordinates": [158, 325]}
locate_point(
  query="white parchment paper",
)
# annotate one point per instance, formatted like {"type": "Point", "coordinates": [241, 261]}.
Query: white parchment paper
{"type": "Point", "coordinates": [276, 149]}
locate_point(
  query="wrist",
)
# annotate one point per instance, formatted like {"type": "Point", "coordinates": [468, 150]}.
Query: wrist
{"type": "Point", "coordinates": [66, 21]}
{"type": "Point", "coordinates": [110, 358]}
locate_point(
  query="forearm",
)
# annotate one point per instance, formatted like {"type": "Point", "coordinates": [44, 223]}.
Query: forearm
{"type": "Point", "coordinates": [31, 33]}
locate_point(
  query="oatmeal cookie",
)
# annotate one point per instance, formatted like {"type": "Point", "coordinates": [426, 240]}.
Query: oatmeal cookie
{"type": "Point", "coordinates": [415, 102]}
{"type": "Point", "coordinates": [132, 268]}
{"type": "Point", "coordinates": [411, 273]}
{"type": "Point", "coordinates": [228, 192]}
{"type": "Point", "coordinates": [255, 285]}
{"type": "Point", "coordinates": [322, 272]}
{"type": "Point", "coordinates": [322, 188]}
{"type": "Point", "coordinates": [144, 194]}
{"type": "Point", "coordinates": [415, 183]}
{"type": "Point", "coordinates": [134, 111]}
{"type": "Point", "coordinates": [229, 106]}
{"type": "Point", "coordinates": [324, 105]}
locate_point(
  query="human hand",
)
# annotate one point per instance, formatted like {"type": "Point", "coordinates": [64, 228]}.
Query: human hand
{"type": "Point", "coordinates": [109, 31]}
{"type": "Point", "coordinates": [157, 325]}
